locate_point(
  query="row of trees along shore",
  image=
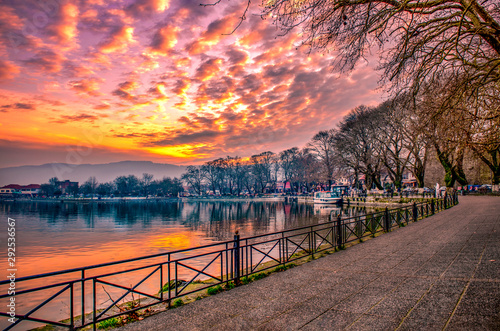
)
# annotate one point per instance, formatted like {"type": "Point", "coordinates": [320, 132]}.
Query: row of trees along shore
{"type": "Point", "coordinates": [440, 61]}
{"type": "Point", "coordinates": [397, 136]}
{"type": "Point", "coordinates": [121, 186]}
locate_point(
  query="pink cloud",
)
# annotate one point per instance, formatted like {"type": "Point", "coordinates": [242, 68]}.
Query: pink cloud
{"type": "Point", "coordinates": [46, 60]}
{"type": "Point", "coordinates": [88, 86]}
{"type": "Point", "coordinates": [118, 41]}
{"type": "Point", "coordinates": [143, 8]}
{"type": "Point", "coordinates": [164, 40]}
{"type": "Point", "coordinates": [8, 70]}
{"type": "Point", "coordinates": [64, 25]}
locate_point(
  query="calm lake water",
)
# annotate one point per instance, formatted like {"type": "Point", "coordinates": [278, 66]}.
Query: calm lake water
{"type": "Point", "coordinates": [53, 236]}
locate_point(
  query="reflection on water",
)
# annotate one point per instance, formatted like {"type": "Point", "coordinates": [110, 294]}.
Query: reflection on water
{"type": "Point", "coordinates": [53, 236]}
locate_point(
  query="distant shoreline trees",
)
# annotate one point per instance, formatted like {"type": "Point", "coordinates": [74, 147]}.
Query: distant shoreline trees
{"type": "Point", "coordinates": [121, 186]}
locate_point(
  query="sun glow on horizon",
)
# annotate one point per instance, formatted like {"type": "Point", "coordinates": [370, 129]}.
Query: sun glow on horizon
{"type": "Point", "coordinates": [166, 78]}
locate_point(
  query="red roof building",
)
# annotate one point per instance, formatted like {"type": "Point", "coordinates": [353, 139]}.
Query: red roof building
{"type": "Point", "coordinates": [31, 189]}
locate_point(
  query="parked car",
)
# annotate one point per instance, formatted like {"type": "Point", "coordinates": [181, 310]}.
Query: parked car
{"type": "Point", "coordinates": [485, 188]}
{"type": "Point", "coordinates": [428, 190]}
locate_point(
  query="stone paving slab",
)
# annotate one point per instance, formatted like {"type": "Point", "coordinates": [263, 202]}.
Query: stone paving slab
{"type": "Point", "coordinates": [442, 272]}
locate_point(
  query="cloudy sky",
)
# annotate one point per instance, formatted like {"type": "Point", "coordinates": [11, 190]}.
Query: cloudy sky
{"type": "Point", "coordinates": [97, 81]}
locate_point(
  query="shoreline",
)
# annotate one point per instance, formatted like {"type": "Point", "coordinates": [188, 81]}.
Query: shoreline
{"type": "Point", "coordinates": [348, 201]}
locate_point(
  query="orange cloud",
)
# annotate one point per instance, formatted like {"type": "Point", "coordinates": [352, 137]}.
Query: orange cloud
{"type": "Point", "coordinates": [65, 29]}
{"type": "Point", "coordinates": [181, 86]}
{"type": "Point", "coordinates": [208, 69]}
{"type": "Point", "coordinates": [8, 70]}
{"type": "Point", "coordinates": [164, 40]}
{"type": "Point", "coordinates": [89, 86]}
{"type": "Point", "coordinates": [142, 8]}
{"type": "Point", "coordinates": [125, 89]}
{"type": "Point", "coordinates": [235, 94]}
{"type": "Point", "coordinates": [118, 41]}
{"type": "Point", "coordinates": [214, 33]}
{"type": "Point", "coordinates": [47, 61]}
{"type": "Point", "coordinates": [79, 118]}
{"type": "Point", "coordinates": [183, 62]}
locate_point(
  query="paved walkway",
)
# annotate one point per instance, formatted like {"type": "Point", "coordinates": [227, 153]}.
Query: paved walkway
{"type": "Point", "coordinates": [439, 273]}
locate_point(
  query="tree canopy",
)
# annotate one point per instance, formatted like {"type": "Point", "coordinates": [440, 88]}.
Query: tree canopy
{"type": "Point", "coordinates": [419, 40]}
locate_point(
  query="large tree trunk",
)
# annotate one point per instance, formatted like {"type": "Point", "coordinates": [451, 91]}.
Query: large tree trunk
{"type": "Point", "coordinates": [493, 164]}
{"type": "Point", "coordinates": [419, 172]}
{"type": "Point", "coordinates": [453, 172]}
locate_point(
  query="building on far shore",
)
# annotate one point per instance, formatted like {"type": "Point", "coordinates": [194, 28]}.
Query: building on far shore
{"type": "Point", "coordinates": [67, 187]}
{"type": "Point", "coordinates": [20, 190]}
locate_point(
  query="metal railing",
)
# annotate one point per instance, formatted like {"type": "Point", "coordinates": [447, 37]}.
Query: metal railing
{"type": "Point", "coordinates": [176, 273]}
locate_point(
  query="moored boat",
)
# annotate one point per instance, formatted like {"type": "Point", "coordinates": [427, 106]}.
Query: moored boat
{"type": "Point", "coordinates": [325, 197]}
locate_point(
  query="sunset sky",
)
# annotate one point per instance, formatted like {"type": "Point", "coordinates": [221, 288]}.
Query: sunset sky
{"type": "Point", "coordinates": [100, 81]}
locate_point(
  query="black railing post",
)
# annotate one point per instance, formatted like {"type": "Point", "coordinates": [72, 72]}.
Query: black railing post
{"type": "Point", "coordinates": [71, 312]}
{"type": "Point", "coordinates": [285, 253]}
{"type": "Point", "coordinates": [236, 259]}
{"type": "Point", "coordinates": [340, 240]}
{"type": "Point", "coordinates": [444, 200]}
{"type": "Point", "coordinates": [312, 242]}
{"type": "Point", "coordinates": [415, 212]}
{"type": "Point", "coordinates": [94, 305]}
{"type": "Point", "coordinates": [83, 297]}
{"type": "Point", "coordinates": [433, 207]}
{"type": "Point", "coordinates": [386, 220]}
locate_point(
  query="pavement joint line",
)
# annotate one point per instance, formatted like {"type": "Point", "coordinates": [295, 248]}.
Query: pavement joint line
{"type": "Point", "coordinates": [336, 304]}
{"type": "Point", "coordinates": [465, 288]}
{"type": "Point", "coordinates": [394, 252]}
{"type": "Point", "coordinates": [434, 282]}
{"type": "Point", "coordinates": [394, 289]}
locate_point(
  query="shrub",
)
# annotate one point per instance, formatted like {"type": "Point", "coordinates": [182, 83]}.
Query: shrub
{"type": "Point", "coordinates": [177, 303]}
{"type": "Point", "coordinates": [109, 323]}
{"type": "Point", "coordinates": [214, 290]}
{"type": "Point", "coordinates": [229, 286]}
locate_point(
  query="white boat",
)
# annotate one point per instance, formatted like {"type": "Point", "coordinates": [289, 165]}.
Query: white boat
{"type": "Point", "coordinates": [327, 198]}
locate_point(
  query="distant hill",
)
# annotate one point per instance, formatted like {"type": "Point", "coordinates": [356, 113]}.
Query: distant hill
{"type": "Point", "coordinates": [40, 174]}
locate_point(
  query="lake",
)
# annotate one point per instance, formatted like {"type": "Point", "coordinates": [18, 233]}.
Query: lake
{"type": "Point", "coordinates": [53, 236]}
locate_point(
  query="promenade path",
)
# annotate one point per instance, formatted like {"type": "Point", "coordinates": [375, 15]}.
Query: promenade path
{"type": "Point", "coordinates": [440, 273]}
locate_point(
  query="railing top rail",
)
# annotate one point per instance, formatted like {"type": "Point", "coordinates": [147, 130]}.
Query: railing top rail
{"type": "Point", "coordinates": [102, 265]}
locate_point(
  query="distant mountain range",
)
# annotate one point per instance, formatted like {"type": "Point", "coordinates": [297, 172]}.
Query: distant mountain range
{"type": "Point", "coordinates": [40, 174]}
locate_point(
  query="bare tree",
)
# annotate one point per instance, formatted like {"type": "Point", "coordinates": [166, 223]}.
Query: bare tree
{"type": "Point", "coordinates": [288, 161]}
{"type": "Point", "coordinates": [483, 134]}
{"type": "Point", "coordinates": [420, 40]}
{"type": "Point", "coordinates": [211, 173]}
{"type": "Point", "coordinates": [322, 146]}
{"type": "Point", "coordinates": [146, 182]}
{"type": "Point", "coordinates": [194, 178]}
{"type": "Point", "coordinates": [357, 144]}
{"type": "Point", "coordinates": [391, 137]}
{"type": "Point", "coordinates": [264, 169]}
{"type": "Point", "coordinates": [443, 123]}
{"type": "Point", "coordinates": [236, 173]}
{"type": "Point", "coordinates": [415, 137]}
{"type": "Point", "coordinates": [306, 170]}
